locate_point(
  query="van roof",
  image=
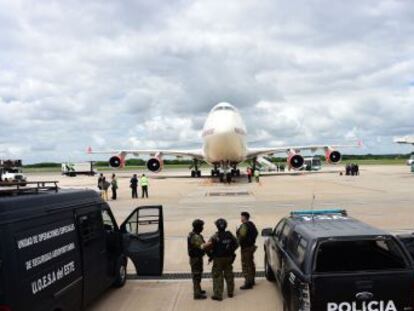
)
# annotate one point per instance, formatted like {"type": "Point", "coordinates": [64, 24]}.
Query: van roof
{"type": "Point", "coordinates": [13, 208]}
{"type": "Point", "coordinates": [315, 227]}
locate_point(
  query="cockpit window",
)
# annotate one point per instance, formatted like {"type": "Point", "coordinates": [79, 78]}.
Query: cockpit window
{"type": "Point", "coordinates": [224, 108]}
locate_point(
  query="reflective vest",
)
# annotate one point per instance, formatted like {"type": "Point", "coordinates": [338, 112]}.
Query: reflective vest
{"type": "Point", "coordinates": [144, 181]}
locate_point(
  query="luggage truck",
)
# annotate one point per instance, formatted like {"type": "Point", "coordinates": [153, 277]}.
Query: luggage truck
{"type": "Point", "coordinates": [60, 249]}
{"type": "Point", "coordinates": [326, 260]}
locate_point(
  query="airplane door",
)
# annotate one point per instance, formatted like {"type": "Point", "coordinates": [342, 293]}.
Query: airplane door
{"type": "Point", "coordinates": [143, 240]}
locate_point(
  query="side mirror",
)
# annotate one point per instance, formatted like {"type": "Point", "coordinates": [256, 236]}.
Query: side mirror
{"type": "Point", "coordinates": [267, 232]}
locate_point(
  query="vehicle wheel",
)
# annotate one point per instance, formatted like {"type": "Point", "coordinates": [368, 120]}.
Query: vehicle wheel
{"type": "Point", "coordinates": [198, 173]}
{"type": "Point", "coordinates": [121, 275]}
{"type": "Point", "coordinates": [228, 177]}
{"type": "Point", "coordinates": [270, 276]}
{"type": "Point", "coordinates": [285, 306]}
{"type": "Point", "coordinates": [221, 175]}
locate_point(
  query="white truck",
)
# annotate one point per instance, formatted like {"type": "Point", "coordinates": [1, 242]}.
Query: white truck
{"type": "Point", "coordinates": [11, 172]}
{"type": "Point", "coordinates": [78, 168]}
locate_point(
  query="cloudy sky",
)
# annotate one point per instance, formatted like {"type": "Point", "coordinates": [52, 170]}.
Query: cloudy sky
{"type": "Point", "coordinates": [139, 74]}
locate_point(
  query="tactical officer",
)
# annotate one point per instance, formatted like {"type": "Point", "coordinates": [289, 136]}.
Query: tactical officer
{"type": "Point", "coordinates": [195, 243]}
{"type": "Point", "coordinates": [246, 235]}
{"type": "Point", "coordinates": [223, 246]}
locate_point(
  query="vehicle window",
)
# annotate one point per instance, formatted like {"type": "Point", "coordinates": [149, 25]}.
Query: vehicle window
{"type": "Point", "coordinates": [292, 244]}
{"type": "Point", "coordinates": [143, 221]}
{"type": "Point", "coordinates": [278, 228]}
{"type": "Point", "coordinates": [301, 251]}
{"type": "Point", "coordinates": [148, 221]}
{"type": "Point", "coordinates": [285, 233]}
{"type": "Point", "coordinates": [361, 255]}
{"type": "Point", "coordinates": [108, 221]}
{"type": "Point", "coordinates": [132, 224]}
{"type": "Point", "coordinates": [409, 244]}
{"type": "Point", "coordinates": [90, 226]}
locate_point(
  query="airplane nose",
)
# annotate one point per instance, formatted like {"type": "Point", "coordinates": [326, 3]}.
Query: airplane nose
{"type": "Point", "coordinates": [225, 128]}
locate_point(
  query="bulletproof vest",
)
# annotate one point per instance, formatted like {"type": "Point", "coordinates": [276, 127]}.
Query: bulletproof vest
{"type": "Point", "coordinates": [252, 233]}
{"type": "Point", "coordinates": [194, 251]}
{"type": "Point", "coordinates": [224, 245]}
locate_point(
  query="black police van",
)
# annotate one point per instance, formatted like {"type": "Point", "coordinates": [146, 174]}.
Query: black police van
{"type": "Point", "coordinates": [326, 260]}
{"type": "Point", "coordinates": [60, 249]}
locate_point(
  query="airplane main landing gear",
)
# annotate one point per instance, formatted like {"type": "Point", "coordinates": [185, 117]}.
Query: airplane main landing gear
{"type": "Point", "coordinates": [235, 172]}
{"type": "Point", "coordinates": [195, 172]}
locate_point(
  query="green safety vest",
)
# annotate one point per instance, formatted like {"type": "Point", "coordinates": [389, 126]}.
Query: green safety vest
{"type": "Point", "coordinates": [144, 181]}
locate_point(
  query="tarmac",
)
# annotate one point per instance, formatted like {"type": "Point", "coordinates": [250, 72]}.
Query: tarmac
{"type": "Point", "coordinates": [382, 196]}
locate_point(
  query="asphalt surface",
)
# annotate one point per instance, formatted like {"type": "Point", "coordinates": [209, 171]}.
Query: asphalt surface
{"type": "Point", "coordinates": [382, 196]}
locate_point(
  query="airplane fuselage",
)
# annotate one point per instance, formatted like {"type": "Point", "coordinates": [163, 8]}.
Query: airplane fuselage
{"type": "Point", "coordinates": [224, 136]}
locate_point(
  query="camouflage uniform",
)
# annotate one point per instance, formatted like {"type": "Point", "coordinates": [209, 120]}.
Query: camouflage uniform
{"type": "Point", "coordinates": [246, 235]}
{"type": "Point", "coordinates": [223, 254]}
{"type": "Point", "coordinates": [196, 253]}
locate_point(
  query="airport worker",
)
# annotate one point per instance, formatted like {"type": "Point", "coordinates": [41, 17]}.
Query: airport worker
{"type": "Point", "coordinates": [144, 186]}
{"type": "Point", "coordinates": [134, 186]}
{"type": "Point", "coordinates": [196, 252]}
{"type": "Point", "coordinates": [105, 186]}
{"type": "Point", "coordinates": [257, 175]}
{"type": "Point", "coordinates": [114, 186]}
{"type": "Point", "coordinates": [249, 174]}
{"type": "Point", "coordinates": [223, 247]}
{"type": "Point", "coordinates": [247, 235]}
{"type": "Point", "coordinates": [100, 181]}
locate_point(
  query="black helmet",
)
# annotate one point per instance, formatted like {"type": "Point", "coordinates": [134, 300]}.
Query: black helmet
{"type": "Point", "coordinates": [221, 224]}
{"type": "Point", "coordinates": [198, 225]}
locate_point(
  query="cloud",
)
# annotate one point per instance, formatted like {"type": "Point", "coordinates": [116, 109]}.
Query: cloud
{"type": "Point", "coordinates": [138, 73]}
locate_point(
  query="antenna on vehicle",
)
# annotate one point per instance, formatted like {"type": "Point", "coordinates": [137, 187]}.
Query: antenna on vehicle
{"type": "Point", "coordinates": [312, 204]}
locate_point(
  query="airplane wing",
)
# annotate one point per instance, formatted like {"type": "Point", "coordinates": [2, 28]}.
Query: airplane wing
{"type": "Point", "coordinates": [195, 154]}
{"type": "Point", "coordinates": [405, 140]}
{"type": "Point", "coordinates": [256, 152]}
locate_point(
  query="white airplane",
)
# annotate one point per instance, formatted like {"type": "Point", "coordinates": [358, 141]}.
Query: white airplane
{"type": "Point", "coordinates": [224, 147]}
{"type": "Point", "coordinates": [405, 140]}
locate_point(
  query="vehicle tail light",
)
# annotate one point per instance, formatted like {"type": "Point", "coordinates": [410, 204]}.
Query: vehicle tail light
{"type": "Point", "coordinates": [305, 299]}
{"type": "Point", "coordinates": [5, 308]}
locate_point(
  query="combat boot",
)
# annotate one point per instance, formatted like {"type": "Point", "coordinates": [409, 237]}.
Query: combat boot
{"type": "Point", "coordinates": [246, 286]}
{"type": "Point", "coordinates": [200, 297]}
{"type": "Point", "coordinates": [216, 298]}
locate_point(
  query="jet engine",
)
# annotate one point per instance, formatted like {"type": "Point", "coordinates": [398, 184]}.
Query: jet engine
{"type": "Point", "coordinates": [116, 161]}
{"type": "Point", "coordinates": [155, 164]}
{"type": "Point", "coordinates": [333, 156]}
{"type": "Point", "coordinates": [295, 160]}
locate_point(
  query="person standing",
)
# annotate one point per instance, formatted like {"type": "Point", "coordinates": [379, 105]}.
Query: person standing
{"type": "Point", "coordinates": [223, 245]}
{"type": "Point", "coordinates": [114, 187]}
{"type": "Point", "coordinates": [144, 186]}
{"type": "Point", "coordinates": [134, 186]}
{"type": "Point", "coordinates": [104, 186]}
{"type": "Point", "coordinates": [257, 175]}
{"type": "Point", "coordinates": [249, 174]}
{"type": "Point", "coordinates": [195, 245]}
{"type": "Point", "coordinates": [100, 181]}
{"type": "Point", "coordinates": [247, 235]}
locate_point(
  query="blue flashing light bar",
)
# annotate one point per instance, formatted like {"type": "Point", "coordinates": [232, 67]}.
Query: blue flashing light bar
{"type": "Point", "coordinates": [319, 212]}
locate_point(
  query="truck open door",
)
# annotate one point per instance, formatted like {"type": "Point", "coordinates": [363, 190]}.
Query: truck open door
{"type": "Point", "coordinates": [143, 240]}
